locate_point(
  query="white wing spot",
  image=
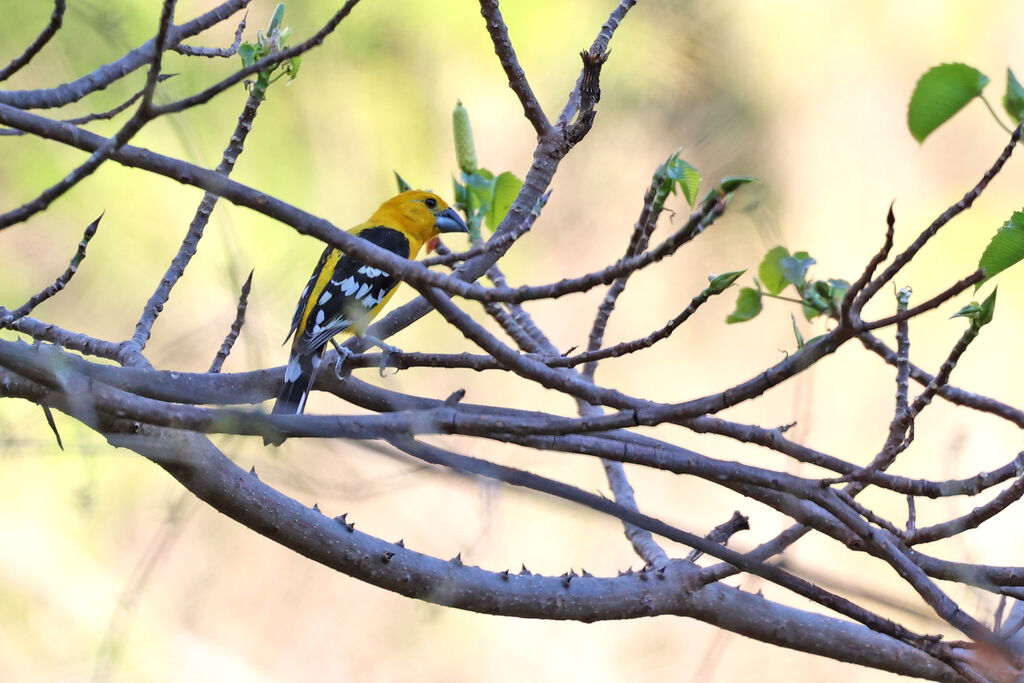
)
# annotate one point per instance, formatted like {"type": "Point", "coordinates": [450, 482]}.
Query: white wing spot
{"type": "Point", "coordinates": [319, 317]}
{"type": "Point", "coordinates": [371, 300]}
{"type": "Point", "coordinates": [370, 271]}
{"type": "Point", "coordinates": [348, 285]}
{"type": "Point", "coordinates": [363, 290]}
{"type": "Point", "coordinates": [324, 298]}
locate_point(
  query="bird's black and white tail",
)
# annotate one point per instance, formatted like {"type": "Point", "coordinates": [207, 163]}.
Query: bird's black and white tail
{"type": "Point", "coordinates": [298, 381]}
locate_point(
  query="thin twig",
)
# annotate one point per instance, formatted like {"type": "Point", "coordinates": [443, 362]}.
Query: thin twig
{"type": "Point", "coordinates": [107, 74]}
{"type": "Point", "coordinates": [100, 116]}
{"type": "Point", "coordinates": [190, 244]}
{"type": "Point", "coordinates": [971, 520]}
{"type": "Point", "coordinates": [267, 62]}
{"type": "Point", "coordinates": [224, 52]}
{"type": "Point", "coordinates": [59, 284]}
{"type": "Point", "coordinates": [97, 158]}
{"type": "Point", "coordinates": [56, 19]}
{"type": "Point", "coordinates": [965, 203]}
{"type": "Point", "coordinates": [952, 394]}
{"type": "Point", "coordinates": [510, 63]}
{"type": "Point", "coordinates": [236, 327]}
{"type": "Point", "coordinates": [869, 270]}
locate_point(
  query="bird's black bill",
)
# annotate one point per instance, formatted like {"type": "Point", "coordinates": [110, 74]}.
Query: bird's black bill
{"type": "Point", "coordinates": [449, 221]}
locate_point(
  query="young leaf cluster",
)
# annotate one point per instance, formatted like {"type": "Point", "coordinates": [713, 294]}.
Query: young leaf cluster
{"type": "Point", "coordinates": [779, 270]}
{"type": "Point", "coordinates": [274, 40]}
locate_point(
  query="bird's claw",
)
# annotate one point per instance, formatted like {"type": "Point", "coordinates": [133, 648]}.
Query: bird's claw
{"type": "Point", "coordinates": [387, 350]}
{"type": "Point", "coordinates": [340, 371]}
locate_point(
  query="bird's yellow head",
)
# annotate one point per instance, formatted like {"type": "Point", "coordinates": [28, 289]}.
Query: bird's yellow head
{"type": "Point", "coordinates": [421, 215]}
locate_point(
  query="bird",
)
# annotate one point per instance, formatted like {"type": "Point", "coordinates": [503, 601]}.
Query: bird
{"type": "Point", "coordinates": [344, 294]}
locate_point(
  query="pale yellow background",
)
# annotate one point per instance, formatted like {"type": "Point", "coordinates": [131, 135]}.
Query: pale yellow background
{"type": "Point", "coordinates": [101, 549]}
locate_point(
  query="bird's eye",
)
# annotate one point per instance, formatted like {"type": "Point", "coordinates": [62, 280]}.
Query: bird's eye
{"type": "Point", "coordinates": [430, 202]}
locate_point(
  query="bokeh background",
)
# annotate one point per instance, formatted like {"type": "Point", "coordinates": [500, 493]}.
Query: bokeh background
{"type": "Point", "coordinates": [109, 572]}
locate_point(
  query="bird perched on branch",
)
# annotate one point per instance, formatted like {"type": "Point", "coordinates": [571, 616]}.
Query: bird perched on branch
{"type": "Point", "coordinates": [344, 294]}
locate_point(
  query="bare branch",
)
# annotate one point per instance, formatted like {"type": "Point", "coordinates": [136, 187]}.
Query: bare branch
{"type": "Point", "coordinates": [510, 63]}
{"type": "Point", "coordinates": [102, 77]}
{"type": "Point", "coordinates": [60, 283]}
{"type": "Point", "coordinates": [211, 52]}
{"type": "Point", "coordinates": [56, 20]}
{"type": "Point", "coordinates": [236, 327]}
{"type": "Point", "coordinates": [190, 244]}
{"type": "Point", "coordinates": [267, 62]}
{"type": "Point", "coordinates": [949, 214]}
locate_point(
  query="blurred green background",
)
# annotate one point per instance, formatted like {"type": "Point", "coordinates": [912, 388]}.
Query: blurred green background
{"type": "Point", "coordinates": [110, 573]}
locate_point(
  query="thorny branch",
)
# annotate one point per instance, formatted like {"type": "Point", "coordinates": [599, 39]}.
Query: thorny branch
{"type": "Point", "coordinates": [163, 416]}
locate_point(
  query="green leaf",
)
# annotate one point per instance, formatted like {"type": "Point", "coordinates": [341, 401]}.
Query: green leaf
{"type": "Point", "coordinates": [748, 305]}
{"type": "Point", "coordinates": [276, 19]}
{"type": "Point", "coordinates": [292, 69]}
{"type": "Point", "coordinates": [731, 183]}
{"type": "Point", "coordinates": [676, 173]}
{"type": "Point", "coordinates": [795, 268]}
{"type": "Point", "coordinates": [722, 282]}
{"type": "Point", "coordinates": [506, 189]}
{"type": "Point", "coordinates": [402, 185]}
{"type": "Point", "coordinates": [814, 301]}
{"type": "Point", "coordinates": [770, 271]}
{"type": "Point", "coordinates": [940, 93]}
{"type": "Point", "coordinates": [459, 192]}
{"type": "Point", "coordinates": [247, 51]}
{"type": "Point", "coordinates": [480, 178]}
{"type": "Point", "coordinates": [988, 309]}
{"type": "Point", "coordinates": [1013, 100]}
{"type": "Point", "coordinates": [688, 179]}
{"type": "Point", "coordinates": [1005, 249]}
{"type": "Point", "coordinates": [979, 314]}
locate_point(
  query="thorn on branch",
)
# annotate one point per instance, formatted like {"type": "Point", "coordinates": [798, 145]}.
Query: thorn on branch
{"type": "Point", "coordinates": [316, 508]}
{"type": "Point", "coordinates": [343, 519]}
{"type": "Point", "coordinates": [457, 560]}
{"type": "Point", "coordinates": [53, 426]}
{"type": "Point", "coordinates": [455, 398]}
{"type": "Point", "coordinates": [252, 471]}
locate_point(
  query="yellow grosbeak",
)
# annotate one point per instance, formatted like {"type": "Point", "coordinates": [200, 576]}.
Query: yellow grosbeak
{"type": "Point", "coordinates": [344, 294]}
